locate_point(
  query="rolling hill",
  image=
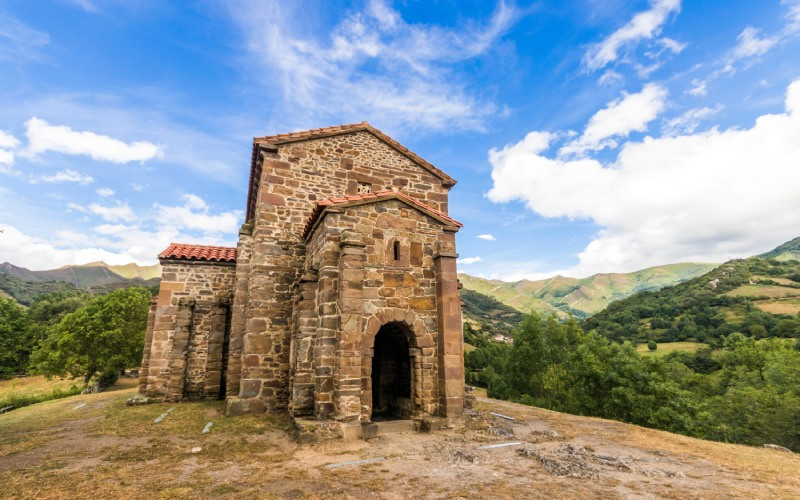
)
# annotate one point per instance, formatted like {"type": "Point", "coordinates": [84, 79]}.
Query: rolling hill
{"type": "Point", "coordinates": [585, 296]}
{"type": "Point", "coordinates": [788, 251]}
{"type": "Point", "coordinates": [25, 285]}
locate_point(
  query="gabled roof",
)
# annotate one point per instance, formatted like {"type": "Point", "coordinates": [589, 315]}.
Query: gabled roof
{"type": "Point", "coordinates": [273, 141]}
{"type": "Point", "coordinates": [363, 199]}
{"type": "Point", "coordinates": [182, 251]}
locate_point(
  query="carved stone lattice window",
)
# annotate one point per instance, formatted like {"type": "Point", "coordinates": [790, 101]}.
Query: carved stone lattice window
{"type": "Point", "coordinates": [364, 188]}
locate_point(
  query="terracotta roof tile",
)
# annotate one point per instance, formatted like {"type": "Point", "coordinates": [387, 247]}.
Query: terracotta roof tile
{"type": "Point", "coordinates": [183, 251]}
{"type": "Point", "coordinates": [378, 196]}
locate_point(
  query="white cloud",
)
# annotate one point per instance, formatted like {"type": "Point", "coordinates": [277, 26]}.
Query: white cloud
{"type": "Point", "coordinates": [707, 196]}
{"type": "Point", "coordinates": [63, 176]}
{"type": "Point", "coordinates": [487, 237]}
{"type": "Point", "coordinates": [751, 45]}
{"type": "Point", "coordinates": [644, 26]}
{"type": "Point", "coordinates": [468, 260]}
{"type": "Point", "coordinates": [105, 192]}
{"type": "Point", "coordinates": [194, 215]}
{"type": "Point", "coordinates": [629, 113]}
{"type": "Point", "coordinates": [7, 142]}
{"type": "Point", "coordinates": [373, 64]}
{"type": "Point", "coordinates": [688, 122]}
{"type": "Point", "coordinates": [43, 137]}
{"type": "Point", "coordinates": [119, 212]}
{"type": "Point", "coordinates": [700, 88]}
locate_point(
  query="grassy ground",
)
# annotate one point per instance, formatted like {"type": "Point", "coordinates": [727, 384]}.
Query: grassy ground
{"type": "Point", "coordinates": [665, 348]}
{"type": "Point", "coordinates": [772, 291]}
{"type": "Point", "coordinates": [780, 306]}
{"type": "Point", "coordinates": [60, 449]}
{"type": "Point", "coordinates": [33, 386]}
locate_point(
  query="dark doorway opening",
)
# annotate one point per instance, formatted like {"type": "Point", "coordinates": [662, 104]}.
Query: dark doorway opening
{"type": "Point", "coordinates": [391, 374]}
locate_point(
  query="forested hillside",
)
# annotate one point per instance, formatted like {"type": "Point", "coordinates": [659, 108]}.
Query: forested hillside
{"type": "Point", "coordinates": [756, 296]}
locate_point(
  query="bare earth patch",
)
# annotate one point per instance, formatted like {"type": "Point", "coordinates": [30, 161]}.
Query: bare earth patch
{"type": "Point", "coordinates": [105, 449]}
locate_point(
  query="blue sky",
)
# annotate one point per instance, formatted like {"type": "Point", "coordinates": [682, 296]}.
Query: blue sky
{"type": "Point", "coordinates": [586, 136]}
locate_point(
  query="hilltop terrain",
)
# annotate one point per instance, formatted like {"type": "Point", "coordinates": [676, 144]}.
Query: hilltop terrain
{"type": "Point", "coordinates": [93, 445]}
{"type": "Point", "coordinates": [581, 297]}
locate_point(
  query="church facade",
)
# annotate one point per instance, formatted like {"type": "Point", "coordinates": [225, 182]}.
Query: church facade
{"type": "Point", "coordinates": [340, 303]}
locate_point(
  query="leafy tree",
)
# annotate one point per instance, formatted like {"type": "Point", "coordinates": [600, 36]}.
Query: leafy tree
{"type": "Point", "coordinates": [14, 340]}
{"type": "Point", "coordinates": [104, 335]}
{"type": "Point", "coordinates": [652, 346]}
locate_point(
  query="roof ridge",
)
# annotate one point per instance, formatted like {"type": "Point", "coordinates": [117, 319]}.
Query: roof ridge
{"type": "Point", "coordinates": [321, 205]}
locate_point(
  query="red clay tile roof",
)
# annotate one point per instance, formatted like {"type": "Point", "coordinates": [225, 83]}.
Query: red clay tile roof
{"type": "Point", "coordinates": [277, 140]}
{"type": "Point", "coordinates": [183, 251]}
{"type": "Point", "coordinates": [360, 199]}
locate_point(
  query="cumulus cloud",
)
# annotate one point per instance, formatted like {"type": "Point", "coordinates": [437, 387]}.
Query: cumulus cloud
{"type": "Point", "coordinates": [63, 176]}
{"type": "Point", "coordinates": [487, 237]}
{"type": "Point", "coordinates": [43, 137]}
{"type": "Point", "coordinates": [706, 196]}
{"type": "Point", "coordinates": [751, 45]}
{"type": "Point", "coordinates": [629, 113]}
{"type": "Point", "coordinates": [124, 236]}
{"type": "Point", "coordinates": [7, 143]}
{"type": "Point", "coordinates": [105, 192]}
{"type": "Point", "coordinates": [373, 64]}
{"type": "Point", "coordinates": [645, 25]}
{"type": "Point", "coordinates": [195, 214]}
{"type": "Point", "coordinates": [468, 260]}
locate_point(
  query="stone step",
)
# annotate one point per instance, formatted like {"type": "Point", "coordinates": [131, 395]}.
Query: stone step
{"type": "Point", "coordinates": [395, 426]}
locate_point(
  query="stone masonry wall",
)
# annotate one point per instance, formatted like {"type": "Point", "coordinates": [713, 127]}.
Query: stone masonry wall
{"type": "Point", "coordinates": [293, 179]}
{"type": "Point", "coordinates": [189, 327]}
{"type": "Point", "coordinates": [360, 287]}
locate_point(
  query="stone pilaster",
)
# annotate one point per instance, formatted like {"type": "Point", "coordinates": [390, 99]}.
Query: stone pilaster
{"type": "Point", "coordinates": [325, 339]}
{"type": "Point", "coordinates": [451, 340]}
{"type": "Point", "coordinates": [218, 331]}
{"type": "Point", "coordinates": [144, 374]}
{"type": "Point", "coordinates": [180, 346]}
{"type": "Point", "coordinates": [239, 311]}
{"type": "Point", "coordinates": [347, 377]}
{"type": "Point", "coordinates": [305, 319]}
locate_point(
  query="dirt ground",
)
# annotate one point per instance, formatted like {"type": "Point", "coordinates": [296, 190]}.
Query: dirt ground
{"type": "Point", "coordinates": [105, 449]}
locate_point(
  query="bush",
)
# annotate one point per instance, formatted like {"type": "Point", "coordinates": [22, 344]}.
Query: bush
{"type": "Point", "coordinates": [652, 345]}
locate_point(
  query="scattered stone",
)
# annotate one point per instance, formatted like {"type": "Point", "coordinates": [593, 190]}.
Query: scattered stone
{"type": "Point", "coordinates": [501, 416]}
{"type": "Point", "coordinates": [540, 436]}
{"type": "Point", "coordinates": [618, 463]}
{"type": "Point", "coordinates": [777, 447]}
{"type": "Point", "coordinates": [196, 449]}
{"type": "Point", "coordinates": [139, 400]}
{"type": "Point", "coordinates": [460, 456]}
{"type": "Point", "coordinates": [207, 428]}
{"type": "Point", "coordinates": [79, 406]}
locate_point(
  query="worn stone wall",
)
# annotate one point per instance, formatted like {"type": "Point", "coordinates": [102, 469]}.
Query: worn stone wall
{"type": "Point", "coordinates": [358, 282]}
{"type": "Point", "coordinates": [184, 355]}
{"type": "Point", "coordinates": [292, 179]}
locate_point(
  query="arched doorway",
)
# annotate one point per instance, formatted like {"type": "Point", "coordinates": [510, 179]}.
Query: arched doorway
{"type": "Point", "coordinates": [391, 373]}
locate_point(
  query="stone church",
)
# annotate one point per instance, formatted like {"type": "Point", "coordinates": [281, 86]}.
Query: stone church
{"type": "Point", "coordinates": [340, 303]}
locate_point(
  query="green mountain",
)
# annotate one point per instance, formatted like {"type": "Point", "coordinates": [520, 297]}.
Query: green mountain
{"type": "Point", "coordinates": [25, 285]}
{"type": "Point", "coordinates": [487, 315]}
{"type": "Point", "coordinates": [755, 296]}
{"type": "Point", "coordinates": [788, 251]}
{"type": "Point", "coordinates": [585, 296]}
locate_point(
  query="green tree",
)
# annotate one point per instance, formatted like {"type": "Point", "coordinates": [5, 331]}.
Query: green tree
{"type": "Point", "coordinates": [14, 341]}
{"type": "Point", "coordinates": [652, 346]}
{"type": "Point", "coordinates": [105, 335]}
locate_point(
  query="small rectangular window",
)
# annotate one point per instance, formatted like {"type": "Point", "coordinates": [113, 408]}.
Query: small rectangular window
{"type": "Point", "coordinates": [396, 250]}
{"type": "Point", "coordinates": [364, 188]}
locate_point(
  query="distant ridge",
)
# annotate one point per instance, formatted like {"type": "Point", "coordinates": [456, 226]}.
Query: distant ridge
{"type": "Point", "coordinates": [585, 296]}
{"type": "Point", "coordinates": [787, 251]}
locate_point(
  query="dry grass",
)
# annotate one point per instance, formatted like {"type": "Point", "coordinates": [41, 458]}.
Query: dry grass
{"type": "Point", "coordinates": [665, 348]}
{"type": "Point", "coordinates": [782, 306]}
{"type": "Point", "coordinates": [108, 450]}
{"type": "Point", "coordinates": [34, 386]}
{"type": "Point", "coordinates": [772, 291]}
